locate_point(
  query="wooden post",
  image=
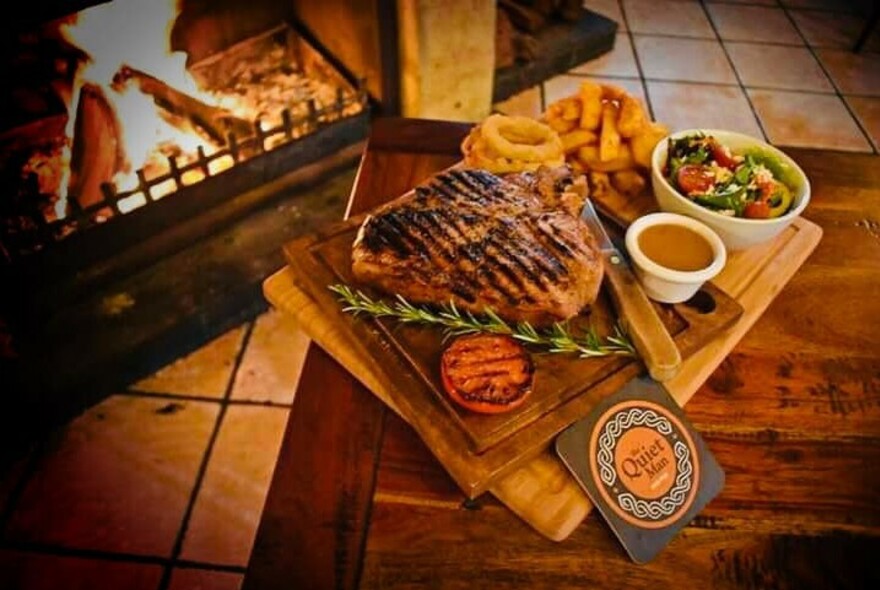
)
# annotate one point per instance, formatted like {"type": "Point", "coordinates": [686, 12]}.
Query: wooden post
{"type": "Point", "coordinates": [447, 58]}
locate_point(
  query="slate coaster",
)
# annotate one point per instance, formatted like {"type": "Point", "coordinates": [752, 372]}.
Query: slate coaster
{"type": "Point", "coordinates": [643, 465]}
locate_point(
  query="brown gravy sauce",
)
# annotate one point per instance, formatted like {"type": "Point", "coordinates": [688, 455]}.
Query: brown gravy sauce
{"type": "Point", "coordinates": [676, 247]}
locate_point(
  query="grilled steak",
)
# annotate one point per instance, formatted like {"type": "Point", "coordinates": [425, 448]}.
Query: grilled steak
{"type": "Point", "coordinates": [478, 240]}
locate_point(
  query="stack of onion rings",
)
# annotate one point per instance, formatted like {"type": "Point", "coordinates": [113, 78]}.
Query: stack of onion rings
{"type": "Point", "coordinates": [506, 143]}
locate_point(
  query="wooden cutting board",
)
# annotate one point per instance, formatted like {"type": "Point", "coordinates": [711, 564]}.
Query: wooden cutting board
{"type": "Point", "coordinates": [541, 491]}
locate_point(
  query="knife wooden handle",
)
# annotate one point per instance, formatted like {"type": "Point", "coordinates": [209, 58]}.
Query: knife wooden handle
{"type": "Point", "coordinates": [645, 328]}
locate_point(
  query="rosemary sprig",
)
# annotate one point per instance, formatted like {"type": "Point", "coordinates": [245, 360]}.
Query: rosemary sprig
{"type": "Point", "coordinates": [556, 339]}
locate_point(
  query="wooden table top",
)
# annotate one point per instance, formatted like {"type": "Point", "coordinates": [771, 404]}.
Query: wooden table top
{"type": "Point", "coordinates": [792, 415]}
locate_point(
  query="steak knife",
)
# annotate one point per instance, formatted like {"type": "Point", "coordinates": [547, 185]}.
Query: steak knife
{"type": "Point", "coordinates": [637, 314]}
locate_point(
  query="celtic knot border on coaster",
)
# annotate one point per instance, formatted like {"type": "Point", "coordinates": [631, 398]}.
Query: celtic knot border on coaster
{"type": "Point", "coordinates": [621, 422]}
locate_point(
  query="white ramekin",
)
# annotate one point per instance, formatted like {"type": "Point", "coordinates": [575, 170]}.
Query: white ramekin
{"type": "Point", "coordinates": [665, 284]}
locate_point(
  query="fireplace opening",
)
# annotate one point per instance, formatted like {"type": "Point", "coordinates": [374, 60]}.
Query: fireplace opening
{"type": "Point", "coordinates": [144, 127]}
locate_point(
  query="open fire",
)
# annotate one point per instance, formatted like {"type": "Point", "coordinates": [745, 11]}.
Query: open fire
{"type": "Point", "coordinates": [142, 123]}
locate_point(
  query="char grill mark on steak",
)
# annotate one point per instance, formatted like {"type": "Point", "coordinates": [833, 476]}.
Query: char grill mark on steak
{"type": "Point", "coordinates": [461, 188]}
{"type": "Point", "coordinates": [446, 224]}
{"type": "Point", "coordinates": [564, 239]}
{"type": "Point", "coordinates": [535, 251]}
{"type": "Point", "coordinates": [482, 267]}
{"type": "Point", "coordinates": [491, 191]}
{"type": "Point", "coordinates": [400, 228]}
{"type": "Point", "coordinates": [486, 179]}
{"type": "Point", "coordinates": [445, 250]}
{"type": "Point", "coordinates": [499, 287]}
{"type": "Point", "coordinates": [555, 236]}
{"type": "Point", "coordinates": [550, 238]}
{"type": "Point", "coordinates": [504, 240]}
{"type": "Point", "coordinates": [551, 268]}
{"type": "Point", "coordinates": [444, 192]}
{"type": "Point", "coordinates": [507, 265]}
{"type": "Point", "coordinates": [381, 232]}
{"type": "Point", "coordinates": [415, 219]}
{"type": "Point", "coordinates": [463, 292]}
{"type": "Point", "coordinates": [520, 257]}
{"type": "Point", "coordinates": [557, 242]}
{"type": "Point", "coordinates": [487, 264]}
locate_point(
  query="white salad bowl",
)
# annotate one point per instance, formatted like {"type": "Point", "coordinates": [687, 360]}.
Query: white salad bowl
{"type": "Point", "coordinates": [737, 233]}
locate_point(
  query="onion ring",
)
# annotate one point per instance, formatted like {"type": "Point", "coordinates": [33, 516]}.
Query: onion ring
{"type": "Point", "coordinates": [478, 155]}
{"type": "Point", "coordinates": [521, 138]}
{"type": "Point", "coordinates": [478, 152]}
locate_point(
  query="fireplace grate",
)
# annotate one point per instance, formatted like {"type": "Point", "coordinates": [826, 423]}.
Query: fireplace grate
{"type": "Point", "coordinates": [20, 238]}
{"type": "Point", "coordinates": [27, 231]}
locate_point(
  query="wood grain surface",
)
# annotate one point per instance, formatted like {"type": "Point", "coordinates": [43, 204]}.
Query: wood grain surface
{"type": "Point", "coordinates": [792, 414]}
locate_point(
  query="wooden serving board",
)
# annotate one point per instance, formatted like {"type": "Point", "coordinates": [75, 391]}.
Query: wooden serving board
{"type": "Point", "coordinates": [541, 491]}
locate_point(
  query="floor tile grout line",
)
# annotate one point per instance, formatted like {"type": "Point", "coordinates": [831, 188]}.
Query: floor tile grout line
{"type": "Point", "coordinates": [208, 566]}
{"type": "Point", "coordinates": [132, 392]}
{"type": "Point", "coordinates": [740, 41]}
{"type": "Point", "coordinates": [834, 10]}
{"type": "Point", "coordinates": [632, 46]}
{"type": "Point", "coordinates": [116, 556]}
{"type": "Point", "coordinates": [715, 38]}
{"type": "Point", "coordinates": [779, 4]}
{"type": "Point", "coordinates": [735, 72]}
{"type": "Point", "coordinates": [875, 145]}
{"type": "Point", "coordinates": [203, 466]}
{"type": "Point", "coordinates": [831, 79]}
{"type": "Point", "coordinates": [574, 74]}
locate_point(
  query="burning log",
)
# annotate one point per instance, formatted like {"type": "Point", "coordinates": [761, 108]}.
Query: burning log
{"type": "Point", "coordinates": [212, 122]}
{"type": "Point", "coordinates": [97, 153]}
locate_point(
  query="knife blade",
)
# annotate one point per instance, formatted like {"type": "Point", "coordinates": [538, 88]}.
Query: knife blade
{"type": "Point", "coordinates": [636, 312]}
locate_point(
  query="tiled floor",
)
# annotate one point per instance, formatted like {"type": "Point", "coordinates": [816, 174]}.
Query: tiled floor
{"type": "Point", "coordinates": [782, 70]}
{"type": "Point", "coordinates": [161, 486]}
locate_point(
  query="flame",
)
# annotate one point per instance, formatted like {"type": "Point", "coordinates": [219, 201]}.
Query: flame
{"type": "Point", "coordinates": [131, 32]}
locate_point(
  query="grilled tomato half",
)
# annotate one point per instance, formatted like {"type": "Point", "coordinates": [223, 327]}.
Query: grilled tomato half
{"type": "Point", "coordinates": [487, 373]}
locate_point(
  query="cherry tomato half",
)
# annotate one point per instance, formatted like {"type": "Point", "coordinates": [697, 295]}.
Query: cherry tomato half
{"type": "Point", "coordinates": [723, 156]}
{"type": "Point", "coordinates": [757, 210]}
{"type": "Point", "coordinates": [694, 178]}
